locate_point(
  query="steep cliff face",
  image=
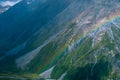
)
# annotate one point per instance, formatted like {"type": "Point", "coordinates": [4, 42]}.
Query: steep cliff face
{"type": "Point", "coordinates": [63, 39]}
{"type": "Point", "coordinates": [24, 19]}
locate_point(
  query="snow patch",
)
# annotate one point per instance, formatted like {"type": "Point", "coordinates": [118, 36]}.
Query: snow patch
{"type": "Point", "coordinates": [62, 77]}
{"type": "Point", "coordinates": [9, 3]}
{"type": "Point", "coordinates": [47, 73]}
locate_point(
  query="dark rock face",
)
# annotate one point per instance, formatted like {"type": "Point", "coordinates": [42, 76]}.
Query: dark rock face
{"type": "Point", "coordinates": [26, 19]}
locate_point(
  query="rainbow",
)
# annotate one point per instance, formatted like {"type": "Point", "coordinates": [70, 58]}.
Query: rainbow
{"type": "Point", "coordinates": [102, 23]}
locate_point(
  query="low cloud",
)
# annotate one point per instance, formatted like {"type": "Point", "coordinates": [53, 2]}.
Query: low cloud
{"type": "Point", "coordinates": [9, 3]}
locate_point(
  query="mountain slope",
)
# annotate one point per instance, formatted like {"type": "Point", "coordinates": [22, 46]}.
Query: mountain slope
{"type": "Point", "coordinates": [64, 40]}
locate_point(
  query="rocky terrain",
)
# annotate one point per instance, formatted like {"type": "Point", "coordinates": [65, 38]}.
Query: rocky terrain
{"type": "Point", "coordinates": [61, 40]}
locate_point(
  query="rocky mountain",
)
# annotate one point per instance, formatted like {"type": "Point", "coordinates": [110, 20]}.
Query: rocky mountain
{"type": "Point", "coordinates": [61, 40]}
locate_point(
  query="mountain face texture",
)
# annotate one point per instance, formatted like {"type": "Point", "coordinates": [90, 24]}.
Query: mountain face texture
{"type": "Point", "coordinates": [60, 40]}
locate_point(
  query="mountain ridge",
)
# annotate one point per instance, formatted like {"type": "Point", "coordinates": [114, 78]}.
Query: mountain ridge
{"type": "Point", "coordinates": [81, 41]}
